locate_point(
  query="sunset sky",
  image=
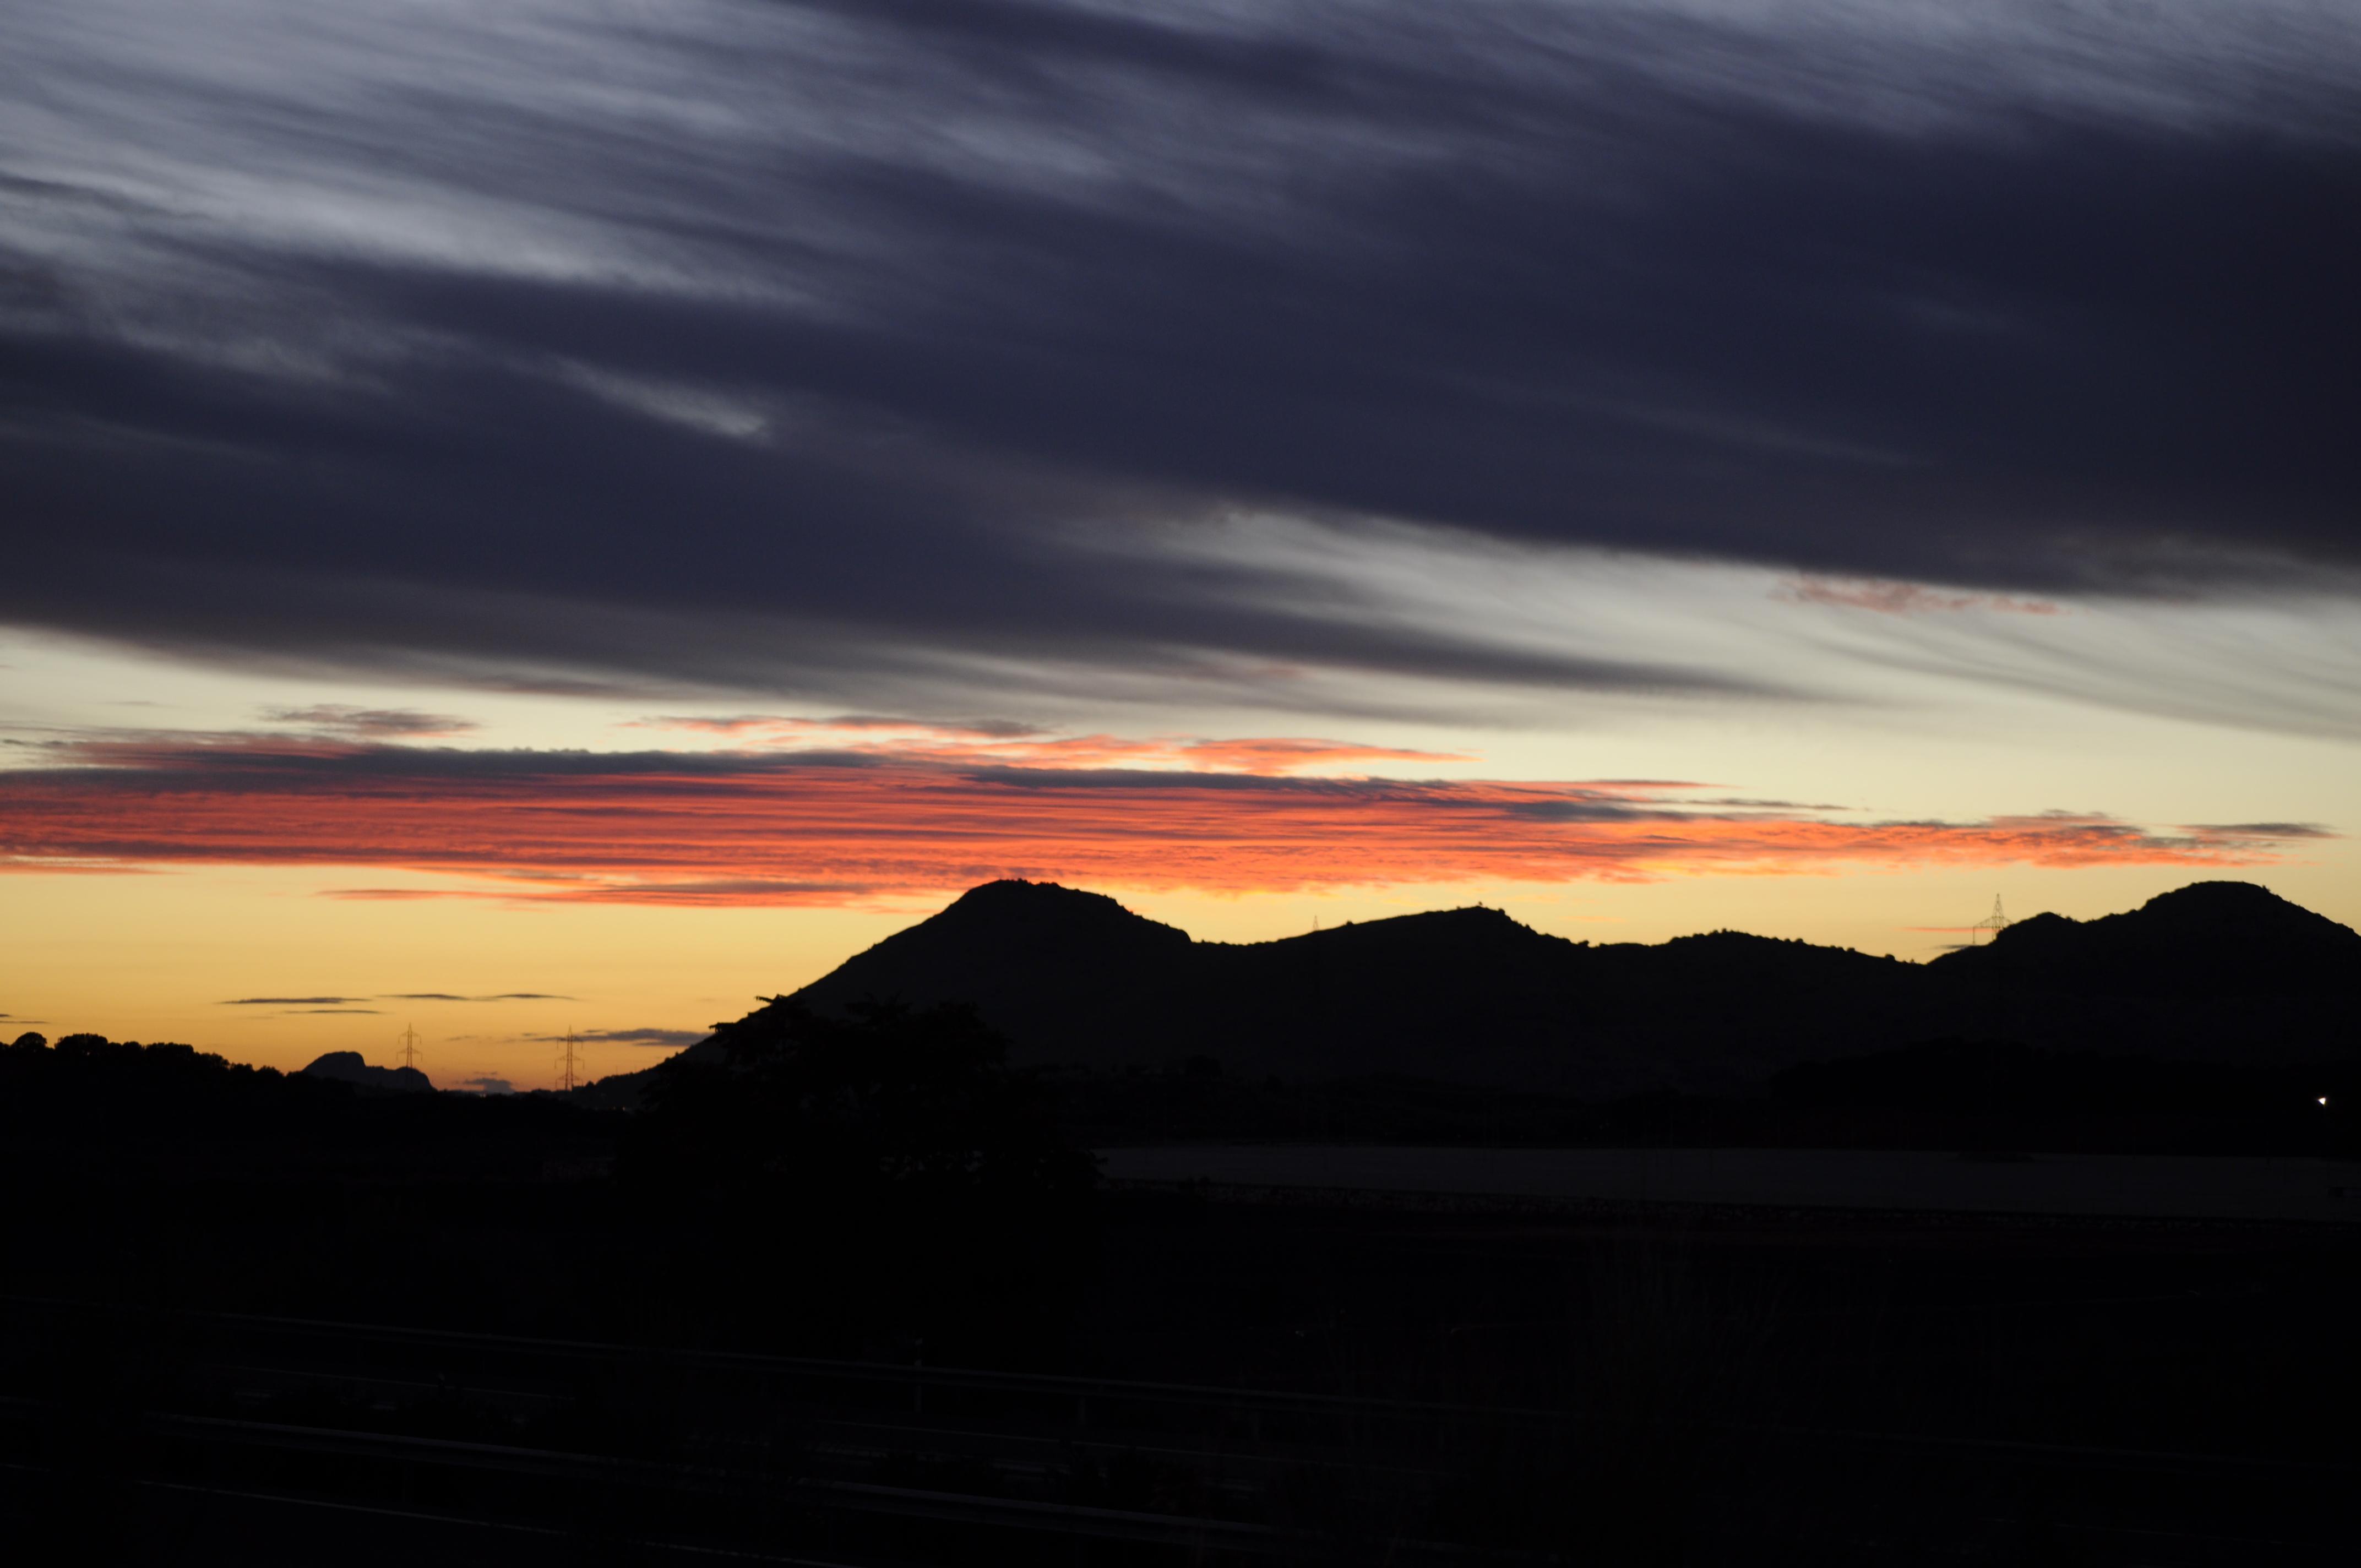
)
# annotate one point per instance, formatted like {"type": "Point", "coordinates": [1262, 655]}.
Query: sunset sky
{"type": "Point", "coordinates": [546, 514]}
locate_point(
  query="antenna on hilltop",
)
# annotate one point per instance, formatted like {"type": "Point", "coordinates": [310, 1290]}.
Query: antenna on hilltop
{"type": "Point", "coordinates": [408, 1054]}
{"type": "Point", "coordinates": [1989, 927]}
{"type": "Point", "coordinates": [569, 1061]}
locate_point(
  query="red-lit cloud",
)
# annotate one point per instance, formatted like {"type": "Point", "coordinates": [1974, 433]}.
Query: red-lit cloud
{"type": "Point", "coordinates": [840, 825]}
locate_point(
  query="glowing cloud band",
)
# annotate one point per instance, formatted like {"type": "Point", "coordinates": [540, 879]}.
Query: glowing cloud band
{"type": "Point", "coordinates": [830, 826]}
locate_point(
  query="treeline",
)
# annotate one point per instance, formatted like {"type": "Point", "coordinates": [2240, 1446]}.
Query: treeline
{"type": "Point", "coordinates": [86, 1087]}
{"type": "Point", "coordinates": [93, 1104]}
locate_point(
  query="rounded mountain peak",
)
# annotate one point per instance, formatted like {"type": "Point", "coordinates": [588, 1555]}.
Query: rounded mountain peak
{"type": "Point", "coordinates": [1012, 901]}
{"type": "Point", "coordinates": [2220, 938]}
{"type": "Point", "coordinates": [2206, 902]}
{"type": "Point", "coordinates": [1005, 946]}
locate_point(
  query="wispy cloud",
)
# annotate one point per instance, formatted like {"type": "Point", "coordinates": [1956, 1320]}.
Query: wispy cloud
{"type": "Point", "coordinates": [675, 1037]}
{"type": "Point", "coordinates": [1907, 599]}
{"type": "Point", "coordinates": [760, 725]}
{"type": "Point", "coordinates": [290, 1001]}
{"type": "Point", "coordinates": [994, 742]}
{"type": "Point", "coordinates": [876, 350]}
{"type": "Point", "coordinates": [454, 996]}
{"type": "Point", "coordinates": [2237, 832]}
{"type": "Point", "coordinates": [369, 723]}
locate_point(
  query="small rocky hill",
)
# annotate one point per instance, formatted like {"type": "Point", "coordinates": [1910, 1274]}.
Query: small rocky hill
{"type": "Point", "coordinates": [346, 1066]}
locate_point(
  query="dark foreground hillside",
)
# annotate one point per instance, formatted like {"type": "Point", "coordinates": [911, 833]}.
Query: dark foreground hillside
{"type": "Point", "coordinates": [844, 1293]}
{"type": "Point", "coordinates": [1245, 1384]}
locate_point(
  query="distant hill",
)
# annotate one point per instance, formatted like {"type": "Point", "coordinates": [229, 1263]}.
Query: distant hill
{"type": "Point", "coordinates": [2216, 970]}
{"type": "Point", "coordinates": [2210, 939]}
{"type": "Point", "coordinates": [346, 1066]}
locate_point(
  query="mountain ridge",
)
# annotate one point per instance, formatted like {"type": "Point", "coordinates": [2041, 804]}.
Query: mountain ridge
{"type": "Point", "coordinates": [2213, 971]}
{"type": "Point", "coordinates": [2206, 938]}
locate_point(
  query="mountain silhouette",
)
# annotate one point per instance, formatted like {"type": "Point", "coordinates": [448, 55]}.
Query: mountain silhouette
{"type": "Point", "coordinates": [1052, 968]}
{"type": "Point", "coordinates": [2207, 939]}
{"type": "Point", "coordinates": [346, 1066]}
{"type": "Point", "coordinates": [2216, 970]}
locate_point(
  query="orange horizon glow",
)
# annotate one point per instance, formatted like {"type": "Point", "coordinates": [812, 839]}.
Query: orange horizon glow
{"type": "Point", "coordinates": [947, 809]}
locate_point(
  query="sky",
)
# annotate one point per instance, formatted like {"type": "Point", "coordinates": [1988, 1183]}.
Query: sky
{"type": "Point", "coordinates": [536, 515]}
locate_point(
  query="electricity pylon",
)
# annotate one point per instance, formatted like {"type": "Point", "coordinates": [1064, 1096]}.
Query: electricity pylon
{"type": "Point", "coordinates": [408, 1054]}
{"type": "Point", "coordinates": [569, 1061]}
{"type": "Point", "coordinates": [1989, 927]}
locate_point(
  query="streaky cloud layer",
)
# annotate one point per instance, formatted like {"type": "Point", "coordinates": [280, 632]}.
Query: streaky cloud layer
{"type": "Point", "coordinates": [842, 349]}
{"type": "Point", "coordinates": [843, 826]}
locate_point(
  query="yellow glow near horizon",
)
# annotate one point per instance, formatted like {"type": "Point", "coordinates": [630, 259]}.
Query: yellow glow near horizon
{"type": "Point", "coordinates": [162, 957]}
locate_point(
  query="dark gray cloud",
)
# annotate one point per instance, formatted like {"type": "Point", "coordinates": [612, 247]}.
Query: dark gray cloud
{"type": "Point", "coordinates": [454, 996]}
{"type": "Point", "coordinates": [341, 1003]}
{"type": "Point", "coordinates": [487, 1084]}
{"type": "Point", "coordinates": [290, 1001]}
{"type": "Point", "coordinates": [830, 348]}
{"type": "Point", "coordinates": [672, 1037]}
{"type": "Point", "coordinates": [352, 723]}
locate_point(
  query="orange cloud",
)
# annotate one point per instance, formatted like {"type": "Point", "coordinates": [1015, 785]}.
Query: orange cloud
{"type": "Point", "coordinates": [838, 825]}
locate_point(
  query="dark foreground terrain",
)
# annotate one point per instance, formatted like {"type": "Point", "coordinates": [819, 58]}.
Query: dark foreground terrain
{"type": "Point", "coordinates": [1246, 1383]}
{"type": "Point", "coordinates": [314, 1324]}
{"type": "Point", "coordinates": [2047, 1254]}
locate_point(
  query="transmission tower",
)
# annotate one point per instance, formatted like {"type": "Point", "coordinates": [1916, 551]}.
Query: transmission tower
{"type": "Point", "coordinates": [408, 1054]}
{"type": "Point", "coordinates": [1989, 927]}
{"type": "Point", "coordinates": [569, 1061]}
